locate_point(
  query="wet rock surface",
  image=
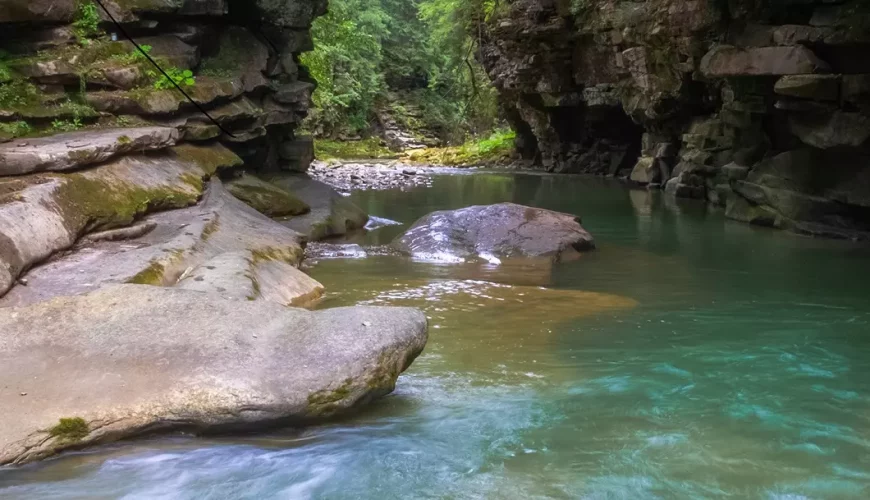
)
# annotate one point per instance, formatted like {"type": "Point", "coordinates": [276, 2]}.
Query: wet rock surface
{"type": "Point", "coordinates": [134, 359]}
{"type": "Point", "coordinates": [495, 232]}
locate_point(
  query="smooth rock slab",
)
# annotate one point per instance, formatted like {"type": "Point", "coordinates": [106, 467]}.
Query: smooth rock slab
{"type": "Point", "coordinates": [133, 359]}
{"type": "Point", "coordinates": [495, 232]}
{"type": "Point", "coordinates": [79, 149]}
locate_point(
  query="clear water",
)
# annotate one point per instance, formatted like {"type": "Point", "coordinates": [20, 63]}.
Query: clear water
{"type": "Point", "coordinates": [689, 357]}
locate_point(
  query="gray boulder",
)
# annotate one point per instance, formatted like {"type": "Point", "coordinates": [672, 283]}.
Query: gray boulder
{"type": "Point", "coordinates": [133, 359]}
{"type": "Point", "coordinates": [495, 232]}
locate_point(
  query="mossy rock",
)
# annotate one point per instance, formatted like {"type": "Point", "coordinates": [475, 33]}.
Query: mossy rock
{"type": "Point", "coordinates": [266, 198]}
{"type": "Point", "coordinates": [70, 429]}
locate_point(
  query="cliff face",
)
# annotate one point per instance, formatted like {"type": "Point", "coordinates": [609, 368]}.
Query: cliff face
{"type": "Point", "coordinates": [65, 67]}
{"type": "Point", "coordinates": [759, 106]}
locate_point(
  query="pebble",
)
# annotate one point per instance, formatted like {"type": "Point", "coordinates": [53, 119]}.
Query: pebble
{"type": "Point", "coordinates": [370, 176]}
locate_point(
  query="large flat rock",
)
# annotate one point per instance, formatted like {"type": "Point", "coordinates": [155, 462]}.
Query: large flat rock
{"type": "Point", "coordinates": [78, 149]}
{"type": "Point", "coordinates": [134, 359]}
{"type": "Point", "coordinates": [495, 232]}
{"type": "Point", "coordinates": [44, 214]}
{"type": "Point", "coordinates": [219, 245]}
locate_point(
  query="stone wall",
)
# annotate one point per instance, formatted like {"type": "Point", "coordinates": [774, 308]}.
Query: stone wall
{"type": "Point", "coordinates": [61, 75]}
{"type": "Point", "coordinates": [759, 106]}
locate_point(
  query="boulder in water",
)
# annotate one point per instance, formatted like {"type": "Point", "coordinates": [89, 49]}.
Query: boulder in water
{"type": "Point", "coordinates": [133, 359]}
{"type": "Point", "coordinates": [495, 232]}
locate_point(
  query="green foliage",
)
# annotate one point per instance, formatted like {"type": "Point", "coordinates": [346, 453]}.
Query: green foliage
{"type": "Point", "coordinates": [16, 129]}
{"type": "Point", "coordinates": [66, 125]}
{"type": "Point", "coordinates": [347, 63]}
{"type": "Point", "coordinates": [370, 148]}
{"type": "Point", "coordinates": [17, 94]}
{"type": "Point", "coordinates": [5, 70]}
{"type": "Point", "coordinates": [181, 77]}
{"type": "Point", "coordinates": [70, 429]}
{"type": "Point", "coordinates": [368, 52]}
{"type": "Point", "coordinates": [87, 21]}
{"type": "Point", "coordinates": [497, 148]}
{"type": "Point", "coordinates": [135, 56]}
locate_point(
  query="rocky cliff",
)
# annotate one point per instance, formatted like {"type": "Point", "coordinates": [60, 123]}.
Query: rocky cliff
{"type": "Point", "coordinates": [65, 66]}
{"type": "Point", "coordinates": [759, 106]}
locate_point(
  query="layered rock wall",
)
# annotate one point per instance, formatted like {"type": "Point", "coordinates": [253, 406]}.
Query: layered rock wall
{"type": "Point", "coordinates": [758, 106]}
{"type": "Point", "coordinates": [66, 66]}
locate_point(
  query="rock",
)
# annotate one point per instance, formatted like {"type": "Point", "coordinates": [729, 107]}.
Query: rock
{"type": "Point", "coordinates": [251, 276]}
{"type": "Point", "coordinates": [331, 214]}
{"type": "Point", "coordinates": [124, 233]}
{"type": "Point", "coordinates": [171, 49]}
{"type": "Point", "coordinates": [297, 154]}
{"type": "Point", "coordinates": [495, 232]}
{"type": "Point", "coordinates": [266, 198]}
{"type": "Point", "coordinates": [17, 11]}
{"type": "Point", "coordinates": [829, 131]}
{"type": "Point", "coordinates": [645, 172]}
{"type": "Point", "coordinates": [142, 359]}
{"type": "Point", "coordinates": [206, 247]}
{"type": "Point", "coordinates": [78, 149]}
{"type": "Point", "coordinates": [42, 215]}
{"type": "Point", "coordinates": [165, 102]}
{"type": "Point", "coordinates": [726, 60]}
{"type": "Point", "coordinates": [818, 87]}
{"type": "Point", "coordinates": [287, 13]}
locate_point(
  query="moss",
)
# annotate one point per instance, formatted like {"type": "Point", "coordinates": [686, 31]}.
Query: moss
{"type": "Point", "coordinates": [257, 292]}
{"type": "Point", "coordinates": [210, 158]}
{"type": "Point", "coordinates": [211, 228]}
{"type": "Point", "coordinates": [496, 149]}
{"type": "Point", "coordinates": [91, 204]}
{"type": "Point", "coordinates": [267, 199]}
{"type": "Point", "coordinates": [382, 376]}
{"type": "Point", "coordinates": [326, 402]}
{"type": "Point", "coordinates": [271, 254]}
{"type": "Point", "coordinates": [358, 150]}
{"type": "Point", "coordinates": [151, 275]}
{"type": "Point", "coordinates": [124, 140]}
{"type": "Point", "coordinates": [70, 429]}
{"type": "Point", "coordinates": [156, 272]}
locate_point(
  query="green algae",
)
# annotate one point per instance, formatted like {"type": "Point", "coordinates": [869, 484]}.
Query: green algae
{"type": "Point", "coordinates": [268, 200]}
{"type": "Point", "coordinates": [70, 429]}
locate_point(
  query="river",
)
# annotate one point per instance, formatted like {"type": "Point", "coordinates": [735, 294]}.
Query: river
{"type": "Point", "coordinates": [688, 357]}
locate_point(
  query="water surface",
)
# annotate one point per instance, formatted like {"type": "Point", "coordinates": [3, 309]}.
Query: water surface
{"type": "Point", "coordinates": [689, 357]}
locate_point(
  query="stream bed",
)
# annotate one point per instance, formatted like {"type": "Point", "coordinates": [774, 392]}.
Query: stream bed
{"type": "Point", "coordinates": [688, 357]}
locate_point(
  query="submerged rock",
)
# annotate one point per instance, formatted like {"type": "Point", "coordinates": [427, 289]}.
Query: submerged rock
{"type": "Point", "coordinates": [495, 232]}
{"type": "Point", "coordinates": [130, 360]}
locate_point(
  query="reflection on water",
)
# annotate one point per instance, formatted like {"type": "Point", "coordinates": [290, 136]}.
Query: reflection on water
{"type": "Point", "coordinates": [689, 357]}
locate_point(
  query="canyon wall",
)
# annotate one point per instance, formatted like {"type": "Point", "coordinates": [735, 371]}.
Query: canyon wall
{"type": "Point", "coordinates": [761, 107]}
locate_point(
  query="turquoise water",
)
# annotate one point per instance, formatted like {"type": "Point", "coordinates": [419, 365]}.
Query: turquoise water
{"type": "Point", "coordinates": [688, 357]}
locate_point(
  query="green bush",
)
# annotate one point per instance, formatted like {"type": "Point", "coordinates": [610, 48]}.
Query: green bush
{"type": "Point", "coordinates": [87, 21]}
{"type": "Point", "coordinates": [181, 77]}
{"type": "Point", "coordinates": [16, 129]}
